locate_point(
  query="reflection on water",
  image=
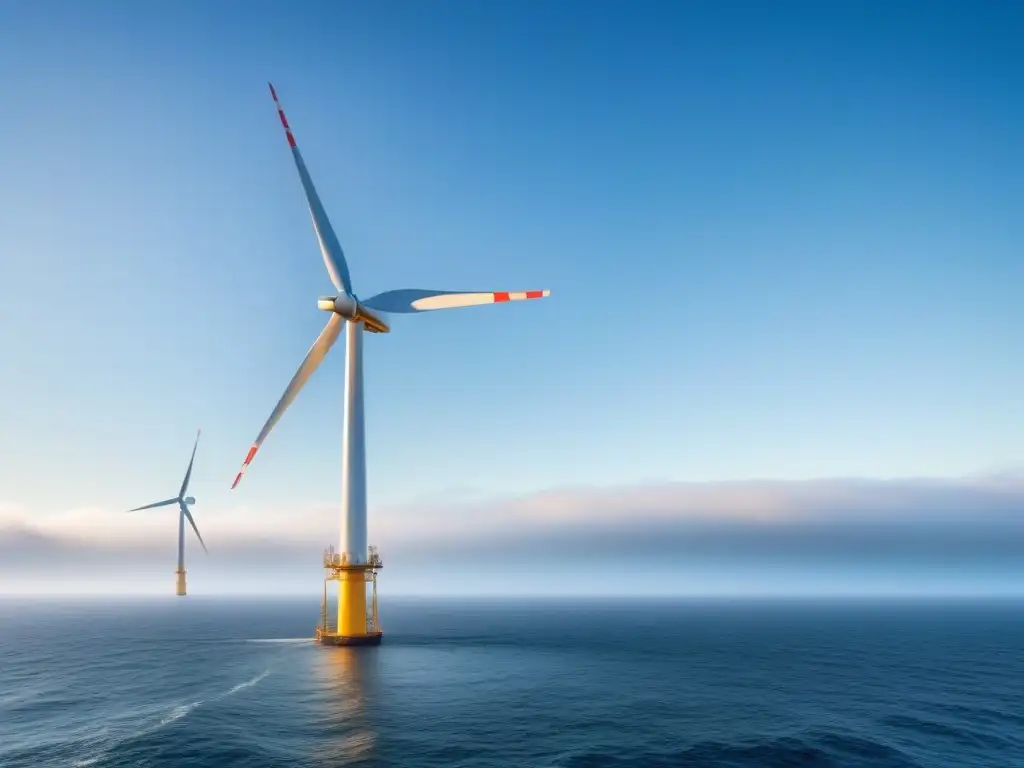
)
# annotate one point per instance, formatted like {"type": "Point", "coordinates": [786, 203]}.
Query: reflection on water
{"type": "Point", "coordinates": [348, 678]}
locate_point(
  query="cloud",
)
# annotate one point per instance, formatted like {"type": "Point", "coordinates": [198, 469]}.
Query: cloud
{"type": "Point", "coordinates": [764, 508]}
{"type": "Point", "coordinates": [969, 523]}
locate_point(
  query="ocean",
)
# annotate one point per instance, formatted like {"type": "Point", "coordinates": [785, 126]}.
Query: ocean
{"type": "Point", "coordinates": [210, 682]}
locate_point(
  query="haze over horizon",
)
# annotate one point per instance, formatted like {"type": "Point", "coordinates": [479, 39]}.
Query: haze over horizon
{"type": "Point", "coordinates": [755, 538]}
{"type": "Point", "coordinates": [780, 355]}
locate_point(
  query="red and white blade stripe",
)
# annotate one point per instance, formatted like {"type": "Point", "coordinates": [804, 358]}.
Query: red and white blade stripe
{"type": "Point", "coordinates": [284, 120]}
{"type": "Point", "coordinates": [245, 465]}
{"type": "Point", "coordinates": [453, 300]}
{"type": "Point", "coordinates": [519, 296]}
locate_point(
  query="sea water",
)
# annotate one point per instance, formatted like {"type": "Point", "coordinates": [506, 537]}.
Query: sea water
{"type": "Point", "coordinates": [216, 682]}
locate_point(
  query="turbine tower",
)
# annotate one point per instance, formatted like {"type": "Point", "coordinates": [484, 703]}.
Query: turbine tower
{"type": "Point", "coordinates": [354, 565]}
{"type": "Point", "coordinates": [183, 502]}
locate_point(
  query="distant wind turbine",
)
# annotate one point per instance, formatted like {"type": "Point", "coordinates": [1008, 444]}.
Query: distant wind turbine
{"type": "Point", "coordinates": [183, 503]}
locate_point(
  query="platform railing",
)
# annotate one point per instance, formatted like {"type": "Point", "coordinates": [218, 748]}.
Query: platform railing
{"type": "Point", "coordinates": [334, 559]}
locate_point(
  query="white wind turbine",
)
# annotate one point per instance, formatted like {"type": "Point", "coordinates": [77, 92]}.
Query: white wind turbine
{"type": "Point", "coordinates": [359, 314]}
{"type": "Point", "coordinates": [183, 502]}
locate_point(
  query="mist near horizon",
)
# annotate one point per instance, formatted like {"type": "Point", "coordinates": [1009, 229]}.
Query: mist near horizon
{"type": "Point", "coordinates": [836, 538]}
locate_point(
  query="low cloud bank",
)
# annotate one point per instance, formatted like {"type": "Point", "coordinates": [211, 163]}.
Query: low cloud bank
{"type": "Point", "coordinates": [972, 523]}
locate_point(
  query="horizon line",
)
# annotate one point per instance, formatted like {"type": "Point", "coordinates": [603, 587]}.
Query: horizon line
{"type": "Point", "coordinates": [681, 596]}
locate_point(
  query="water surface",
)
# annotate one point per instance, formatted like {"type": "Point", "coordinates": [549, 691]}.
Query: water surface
{"type": "Point", "coordinates": [216, 682]}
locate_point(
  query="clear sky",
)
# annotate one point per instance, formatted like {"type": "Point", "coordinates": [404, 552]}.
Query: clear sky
{"type": "Point", "coordinates": [783, 241]}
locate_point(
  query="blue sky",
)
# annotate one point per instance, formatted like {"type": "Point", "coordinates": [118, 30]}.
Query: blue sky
{"type": "Point", "coordinates": [782, 242]}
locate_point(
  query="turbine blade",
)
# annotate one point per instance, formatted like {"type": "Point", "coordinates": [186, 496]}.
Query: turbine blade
{"type": "Point", "coordinates": [330, 248]}
{"type": "Point", "coordinates": [408, 300]}
{"type": "Point", "coordinates": [313, 359]}
{"type": "Point", "coordinates": [184, 511]}
{"type": "Point", "coordinates": [188, 473]}
{"type": "Point", "coordinates": [164, 503]}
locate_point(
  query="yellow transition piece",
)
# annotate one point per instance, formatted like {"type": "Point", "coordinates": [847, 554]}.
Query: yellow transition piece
{"type": "Point", "coordinates": [351, 603]}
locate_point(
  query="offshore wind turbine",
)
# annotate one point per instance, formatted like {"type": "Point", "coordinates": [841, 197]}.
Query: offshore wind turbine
{"type": "Point", "coordinates": [183, 502]}
{"type": "Point", "coordinates": [351, 567]}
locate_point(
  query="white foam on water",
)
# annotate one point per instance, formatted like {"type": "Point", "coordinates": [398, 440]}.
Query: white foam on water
{"type": "Point", "coordinates": [248, 683]}
{"type": "Point", "coordinates": [175, 713]}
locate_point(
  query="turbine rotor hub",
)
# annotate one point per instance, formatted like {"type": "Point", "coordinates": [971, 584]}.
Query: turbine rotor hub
{"type": "Point", "coordinates": [343, 304]}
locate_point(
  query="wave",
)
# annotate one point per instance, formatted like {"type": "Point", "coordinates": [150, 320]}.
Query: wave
{"type": "Point", "coordinates": [824, 750]}
{"type": "Point", "coordinates": [933, 728]}
{"type": "Point", "coordinates": [979, 714]}
{"type": "Point", "coordinates": [171, 715]}
{"type": "Point", "coordinates": [247, 684]}
{"type": "Point", "coordinates": [280, 640]}
{"type": "Point", "coordinates": [176, 714]}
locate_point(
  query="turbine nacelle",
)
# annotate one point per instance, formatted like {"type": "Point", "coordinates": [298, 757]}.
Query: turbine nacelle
{"type": "Point", "coordinates": [189, 500]}
{"type": "Point", "coordinates": [349, 308]}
